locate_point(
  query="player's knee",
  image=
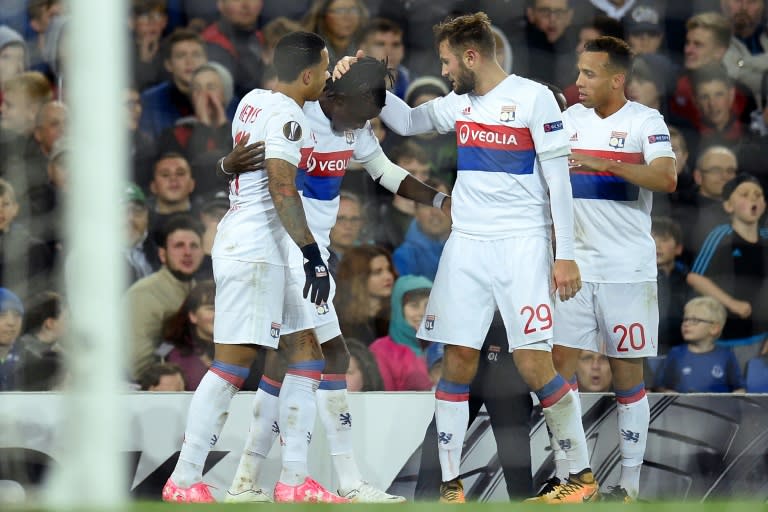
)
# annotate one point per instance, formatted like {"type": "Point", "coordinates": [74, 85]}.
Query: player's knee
{"type": "Point", "coordinates": [237, 355]}
{"type": "Point", "coordinates": [460, 364]}
{"type": "Point", "coordinates": [301, 346]}
{"type": "Point", "coordinates": [336, 356]}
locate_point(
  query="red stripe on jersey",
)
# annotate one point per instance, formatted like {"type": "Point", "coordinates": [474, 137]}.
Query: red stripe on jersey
{"type": "Point", "coordinates": [616, 156]}
{"type": "Point", "coordinates": [331, 164]}
{"type": "Point", "coordinates": [493, 136]}
{"type": "Point", "coordinates": [305, 154]}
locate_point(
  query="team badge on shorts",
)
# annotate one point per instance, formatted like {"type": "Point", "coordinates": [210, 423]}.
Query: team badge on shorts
{"type": "Point", "coordinates": [429, 322]}
{"type": "Point", "coordinates": [507, 113]}
{"type": "Point", "coordinates": [617, 139]}
{"type": "Point", "coordinates": [274, 330]}
{"type": "Point", "coordinates": [349, 136]}
{"type": "Point", "coordinates": [322, 309]}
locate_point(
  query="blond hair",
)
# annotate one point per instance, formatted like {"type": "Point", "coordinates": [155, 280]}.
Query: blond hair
{"type": "Point", "coordinates": [715, 23]}
{"type": "Point", "coordinates": [714, 310]}
{"type": "Point", "coordinates": [33, 84]}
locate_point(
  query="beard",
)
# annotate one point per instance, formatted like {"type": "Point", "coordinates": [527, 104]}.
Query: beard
{"type": "Point", "coordinates": [465, 81]}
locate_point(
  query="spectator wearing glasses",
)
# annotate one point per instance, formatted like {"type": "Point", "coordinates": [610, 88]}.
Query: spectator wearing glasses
{"type": "Point", "coordinates": [340, 23]}
{"type": "Point", "coordinates": [702, 211]}
{"type": "Point", "coordinates": [700, 366]}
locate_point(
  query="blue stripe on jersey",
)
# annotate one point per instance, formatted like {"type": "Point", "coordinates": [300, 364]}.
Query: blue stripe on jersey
{"type": "Point", "coordinates": [496, 160]}
{"type": "Point", "coordinates": [595, 186]}
{"type": "Point", "coordinates": [708, 248]}
{"type": "Point", "coordinates": [315, 187]}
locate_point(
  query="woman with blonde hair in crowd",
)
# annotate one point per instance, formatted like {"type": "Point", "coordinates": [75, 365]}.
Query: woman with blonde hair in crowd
{"type": "Point", "coordinates": [364, 283]}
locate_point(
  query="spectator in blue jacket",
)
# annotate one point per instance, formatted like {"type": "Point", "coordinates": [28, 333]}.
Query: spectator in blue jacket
{"type": "Point", "coordinates": [424, 241]}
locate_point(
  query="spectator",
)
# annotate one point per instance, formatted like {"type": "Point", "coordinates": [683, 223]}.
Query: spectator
{"type": "Point", "coordinates": [11, 313]}
{"type": "Point", "coordinates": [701, 212]}
{"type": "Point", "coordinates": [40, 13]}
{"type": "Point", "coordinates": [643, 26]}
{"type": "Point", "coordinates": [171, 187]}
{"type": "Point", "coordinates": [340, 23]}
{"type": "Point", "coordinates": [13, 55]}
{"type": "Point", "coordinates": [424, 241]}
{"type": "Point", "coordinates": [707, 39]}
{"type": "Point", "coordinates": [664, 203]}
{"type": "Point", "coordinates": [746, 57]}
{"type": "Point", "coordinates": [394, 216]}
{"type": "Point", "coordinates": [141, 251]}
{"type": "Point", "coordinates": [673, 290]}
{"type": "Point", "coordinates": [363, 373]}
{"type": "Point", "coordinates": [147, 23]}
{"type": "Point", "coordinates": [364, 285]}
{"type": "Point", "coordinates": [166, 102]}
{"type": "Point", "coordinates": [189, 332]}
{"type": "Point", "coordinates": [346, 233]}
{"type": "Point", "coordinates": [23, 97]}
{"type": "Point", "coordinates": [153, 299]}
{"type": "Point", "coordinates": [236, 42]}
{"type": "Point", "coordinates": [50, 125]}
{"type": "Point", "coordinates": [382, 39]}
{"type": "Point", "coordinates": [46, 322]}
{"type": "Point", "coordinates": [55, 54]}
{"type": "Point", "coordinates": [700, 366]}
{"type": "Point", "coordinates": [211, 213]}
{"type": "Point", "coordinates": [731, 267]}
{"type": "Point", "coordinates": [26, 263]}
{"type": "Point", "coordinates": [593, 372]}
{"type": "Point", "coordinates": [162, 377]}
{"type": "Point", "coordinates": [400, 356]}
{"type": "Point", "coordinates": [273, 31]}
{"type": "Point", "coordinates": [205, 136]}
{"type": "Point", "coordinates": [550, 38]}
{"type": "Point", "coordinates": [143, 148]}
{"type": "Point", "coordinates": [756, 374]}
{"type": "Point", "coordinates": [714, 94]}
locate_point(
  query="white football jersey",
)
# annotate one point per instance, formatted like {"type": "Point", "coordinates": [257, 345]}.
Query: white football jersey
{"type": "Point", "coordinates": [500, 191]}
{"type": "Point", "coordinates": [612, 217]}
{"type": "Point", "coordinates": [251, 230]}
{"type": "Point", "coordinates": [322, 170]}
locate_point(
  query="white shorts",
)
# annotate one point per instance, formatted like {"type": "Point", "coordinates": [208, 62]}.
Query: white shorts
{"type": "Point", "coordinates": [476, 277]}
{"type": "Point", "coordinates": [326, 321]}
{"type": "Point", "coordinates": [616, 319]}
{"type": "Point", "coordinates": [257, 302]}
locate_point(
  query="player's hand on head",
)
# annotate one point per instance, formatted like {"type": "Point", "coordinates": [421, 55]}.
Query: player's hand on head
{"type": "Point", "coordinates": [245, 157]}
{"type": "Point", "coordinates": [344, 63]}
{"type": "Point", "coordinates": [317, 285]}
{"type": "Point", "coordinates": [567, 279]}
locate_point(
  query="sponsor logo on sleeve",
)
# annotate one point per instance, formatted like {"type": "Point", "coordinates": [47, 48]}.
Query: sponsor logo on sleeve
{"type": "Point", "coordinates": [662, 137]}
{"type": "Point", "coordinates": [553, 127]}
{"type": "Point", "coordinates": [292, 131]}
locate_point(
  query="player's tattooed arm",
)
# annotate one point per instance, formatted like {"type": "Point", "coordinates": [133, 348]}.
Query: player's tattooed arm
{"type": "Point", "coordinates": [282, 189]}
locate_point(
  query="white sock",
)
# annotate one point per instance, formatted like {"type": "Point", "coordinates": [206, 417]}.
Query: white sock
{"type": "Point", "coordinates": [297, 418]}
{"type": "Point", "coordinates": [261, 436]}
{"type": "Point", "coordinates": [561, 412]}
{"type": "Point", "coordinates": [562, 466]}
{"type": "Point", "coordinates": [333, 409]}
{"type": "Point", "coordinates": [208, 411]}
{"type": "Point", "coordinates": [634, 417]}
{"type": "Point", "coordinates": [451, 417]}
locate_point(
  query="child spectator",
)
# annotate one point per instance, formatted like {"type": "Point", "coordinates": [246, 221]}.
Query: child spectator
{"type": "Point", "coordinates": [11, 313]}
{"type": "Point", "coordinates": [400, 355]}
{"type": "Point", "coordinates": [190, 333]}
{"type": "Point", "coordinates": [673, 290]}
{"type": "Point", "coordinates": [162, 377]}
{"type": "Point", "coordinates": [45, 322]}
{"type": "Point", "coordinates": [363, 373]}
{"type": "Point", "coordinates": [700, 366]}
{"type": "Point", "coordinates": [593, 372]}
{"type": "Point", "coordinates": [732, 266]}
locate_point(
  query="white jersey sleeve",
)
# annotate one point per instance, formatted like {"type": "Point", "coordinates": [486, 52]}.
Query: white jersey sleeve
{"type": "Point", "coordinates": [546, 126]}
{"type": "Point", "coordinates": [656, 140]}
{"type": "Point", "coordinates": [443, 110]}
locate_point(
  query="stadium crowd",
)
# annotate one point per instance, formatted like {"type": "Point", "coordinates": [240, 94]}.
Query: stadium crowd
{"type": "Point", "coordinates": [703, 64]}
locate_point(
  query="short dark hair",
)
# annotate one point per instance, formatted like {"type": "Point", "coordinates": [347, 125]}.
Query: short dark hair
{"type": "Point", "coordinates": [620, 55]}
{"type": "Point", "coordinates": [714, 72]}
{"type": "Point", "coordinates": [177, 222]}
{"type": "Point", "coordinates": [151, 376]}
{"type": "Point", "coordinates": [468, 30]}
{"type": "Point", "coordinates": [296, 52]}
{"type": "Point", "coordinates": [180, 35]}
{"type": "Point", "coordinates": [409, 150]}
{"type": "Point", "coordinates": [40, 308]}
{"type": "Point", "coordinates": [366, 79]}
{"type": "Point", "coordinates": [377, 25]}
{"type": "Point", "coordinates": [667, 226]}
